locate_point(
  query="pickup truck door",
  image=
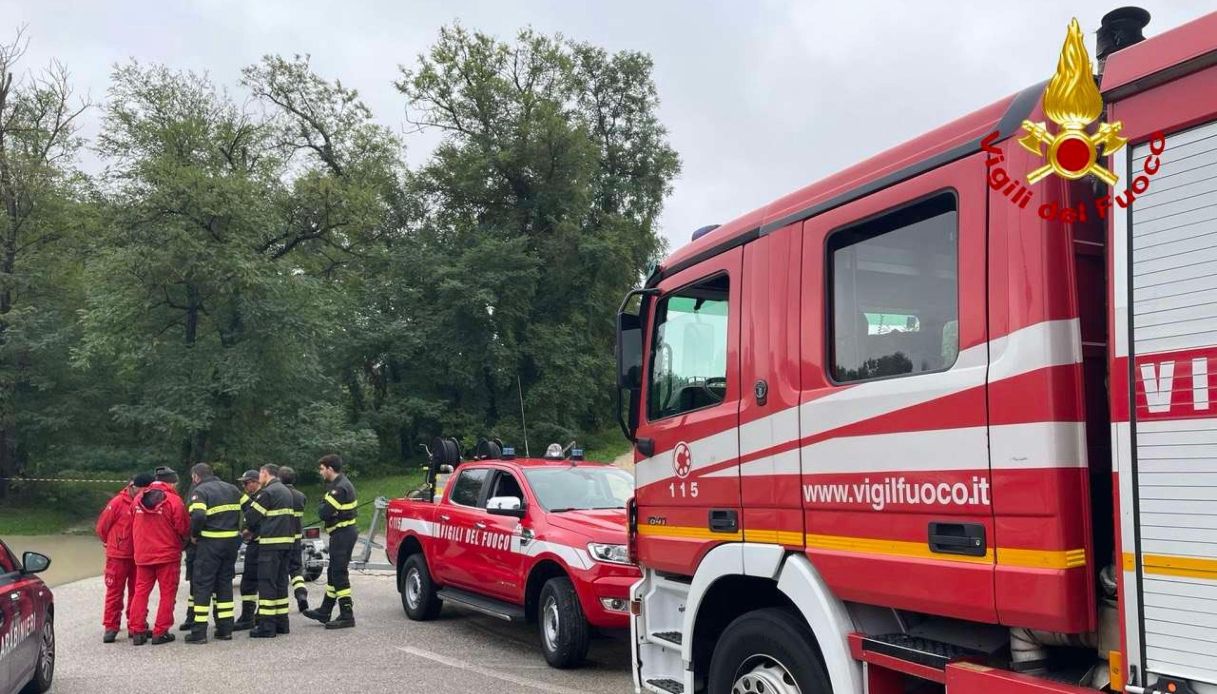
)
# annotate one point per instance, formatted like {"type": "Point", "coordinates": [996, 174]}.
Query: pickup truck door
{"type": "Point", "coordinates": [455, 561]}
{"type": "Point", "coordinates": [503, 540]}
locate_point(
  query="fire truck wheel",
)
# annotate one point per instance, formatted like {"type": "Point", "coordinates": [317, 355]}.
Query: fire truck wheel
{"type": "Point", "coordinates": [564, 630]}
{"type": "Point", "coordinates": [769, 651]}
{"type": "Point", "coordinates": [418, 597]}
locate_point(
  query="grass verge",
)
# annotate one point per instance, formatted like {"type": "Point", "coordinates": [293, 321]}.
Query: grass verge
{"type": "Point", "coordinates": [26, 520]}
{"type": "Point", "coordinates": [366, 490]}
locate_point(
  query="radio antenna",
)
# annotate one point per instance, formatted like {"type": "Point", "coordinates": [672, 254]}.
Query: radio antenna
{"type": "Point", "coordinates": [523, 422]}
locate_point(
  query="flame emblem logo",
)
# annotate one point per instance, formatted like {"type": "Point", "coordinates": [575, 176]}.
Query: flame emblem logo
{"type": "Point", "coordinates": [682, 460]}
{"type": "Point", "coordinates": [1073, 102]}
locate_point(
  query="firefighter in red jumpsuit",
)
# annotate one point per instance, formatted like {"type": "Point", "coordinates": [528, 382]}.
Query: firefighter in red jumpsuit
{"type": "Point", "coordinates": [114, 529]}
{"type": "Point", "coordinates": [160, 528]}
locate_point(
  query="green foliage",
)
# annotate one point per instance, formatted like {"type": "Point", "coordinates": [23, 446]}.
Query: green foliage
{"type": "Point", "coordinates": [257, 277]}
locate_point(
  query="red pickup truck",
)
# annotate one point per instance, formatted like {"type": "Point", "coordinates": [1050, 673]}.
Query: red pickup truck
{"type": "Point", "coordinates": [536, 540]}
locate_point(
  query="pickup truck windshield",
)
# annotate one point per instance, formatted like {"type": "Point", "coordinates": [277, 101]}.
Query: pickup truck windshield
{"type": "Point", "coordinates": [580, 488]}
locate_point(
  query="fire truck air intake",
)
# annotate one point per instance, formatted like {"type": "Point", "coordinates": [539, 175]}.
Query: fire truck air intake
{"type": "Point", "coordinates": [1120, 29]}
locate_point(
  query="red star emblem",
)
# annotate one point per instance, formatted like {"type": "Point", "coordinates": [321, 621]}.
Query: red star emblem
{"type": "Point", "coordinates": [682, 460]}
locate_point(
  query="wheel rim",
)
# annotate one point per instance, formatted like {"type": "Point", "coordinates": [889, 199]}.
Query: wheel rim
{"type": "Point", "coordinates": [763, 674]}
{"type": "Point", "coordinates": [549, 624]}
{"type": "Point", "coordinates": [46, 661]}
{"type": "Point", "coordinates": [414, 588]}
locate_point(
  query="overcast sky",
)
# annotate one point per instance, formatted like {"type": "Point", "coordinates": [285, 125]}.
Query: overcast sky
{"type": "Point", "coordinates": [759, 98]}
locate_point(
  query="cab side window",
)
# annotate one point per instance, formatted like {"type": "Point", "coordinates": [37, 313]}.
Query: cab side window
{"type": "Point", "coordinates": [505, 484]}
{"type": "Point", "coordinates": [689, 349]}
{"type": "Point", "coordinates": [894, 286]}
{"type": "Point", "coordinates": [467, 491]}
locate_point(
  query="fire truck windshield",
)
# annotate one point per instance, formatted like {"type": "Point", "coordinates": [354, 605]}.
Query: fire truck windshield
{"type": "Point", "coordinates": [580, 488]}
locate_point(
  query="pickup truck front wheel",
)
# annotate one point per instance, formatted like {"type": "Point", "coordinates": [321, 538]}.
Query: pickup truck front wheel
{"type": "Point", "coordinates": [417, 589]}
{"type": "Point", "coordinates": [564, 629]}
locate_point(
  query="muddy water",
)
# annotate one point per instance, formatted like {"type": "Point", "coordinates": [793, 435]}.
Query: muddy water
{"type": "Point", "coordinates": [73, 557]}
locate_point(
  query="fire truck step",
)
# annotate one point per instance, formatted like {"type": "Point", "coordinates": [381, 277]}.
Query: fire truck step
{"type": "Point", "coordinates": [914, 649]}
{"type": "Point", "coordinates": [478, 603]}
{"type": "Point", "coordinates": [668, 686]}
{"type": "Point", "coordinates": [669, 636]}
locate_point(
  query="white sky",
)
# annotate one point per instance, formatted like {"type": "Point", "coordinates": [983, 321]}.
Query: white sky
{"type": "Point", "coordinates": [759, 98]}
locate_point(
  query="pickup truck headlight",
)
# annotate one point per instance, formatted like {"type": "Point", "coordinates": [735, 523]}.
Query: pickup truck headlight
{"type": "Point", "coordinates": [610, 554]}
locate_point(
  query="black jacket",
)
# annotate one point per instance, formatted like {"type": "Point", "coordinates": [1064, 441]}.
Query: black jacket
{"type": "Point", "coordinates": [270, 515]}
{"type": "Point", "coordinates": [215, 509]}
{"type": "Point", "coordinates": [298, 503]}
{"type": "Point", "coordinates": [338, 506]}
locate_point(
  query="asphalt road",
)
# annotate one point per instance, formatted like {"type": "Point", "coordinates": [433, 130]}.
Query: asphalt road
{"type": "Point", "coordinates": [461, 652]}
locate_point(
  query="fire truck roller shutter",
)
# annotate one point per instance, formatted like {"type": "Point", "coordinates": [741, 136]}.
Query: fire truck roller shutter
{"type": "Point", "coordinates": [1173, 310]}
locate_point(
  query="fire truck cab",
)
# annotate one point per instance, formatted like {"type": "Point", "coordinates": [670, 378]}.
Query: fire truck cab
{"type": "Point", "coordinates": [927, 424]}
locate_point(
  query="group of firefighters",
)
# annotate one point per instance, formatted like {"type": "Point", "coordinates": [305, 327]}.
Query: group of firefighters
{"type": "Point", "coordinates": [146, 526]}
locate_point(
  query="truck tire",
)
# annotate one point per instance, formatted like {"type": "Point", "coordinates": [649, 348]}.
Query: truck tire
{"type": "Point", "coordinates": [768, 650]}
{"type": "Point", "coordinates": [418, 596]}
{"type": "Point", "coordinates": [564, 630]}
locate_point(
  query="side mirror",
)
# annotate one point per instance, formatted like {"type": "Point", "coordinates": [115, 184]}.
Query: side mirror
{"type": "Point", "coordinates": [33, 563]}
{"type": "Point", "coordinates": [505, 506]}
{"type": "Point", "coordinates": [629, 351]}
{"type": "Point", "coordinates": [629, 358]}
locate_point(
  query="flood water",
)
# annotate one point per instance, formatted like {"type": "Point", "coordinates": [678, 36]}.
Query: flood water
{"type": "Point", "coordinates": [73, 557]}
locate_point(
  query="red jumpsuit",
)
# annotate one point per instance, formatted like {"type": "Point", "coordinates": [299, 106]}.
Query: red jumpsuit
{"type": "Point", "coordinates": [114, 529]}
{"type": "Point", "coordinates": [160, 527]}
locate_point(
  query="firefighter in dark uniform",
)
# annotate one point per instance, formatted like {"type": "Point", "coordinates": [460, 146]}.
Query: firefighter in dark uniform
{"type": "Point", "coordinates": [270, 516]}
{"type": "Point", "coordinates": [338, 512]}
{"type": "Point", "coordinates": [295, 561]}
{"type": "Point", "coordinates": [215, 515]}
{"type": "Point", "coordinates": [251, 483]}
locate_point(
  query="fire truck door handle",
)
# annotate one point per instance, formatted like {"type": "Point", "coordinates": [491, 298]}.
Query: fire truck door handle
{"type": "Point", "coordinates": [480, 525]}
{"type": "Point", "coordinates": [445, 518]}
{"type": "Point", "coordinates": [646, 447]}
{"type": "Point", "coordinates": [724, 520]}
{"type": "Point", "coordinates": [967, 539]}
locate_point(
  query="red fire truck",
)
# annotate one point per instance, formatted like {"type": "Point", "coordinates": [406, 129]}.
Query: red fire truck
{"type": "Point", "coordinates": [942, 421]}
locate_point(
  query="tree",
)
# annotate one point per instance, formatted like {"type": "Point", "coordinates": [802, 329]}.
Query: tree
{"type": "Point", "coordinates": [220, 341]}
{"type": "Point", "coordinates": [38, 188]}
{"type": "Point", "coordinates": [539, 209]}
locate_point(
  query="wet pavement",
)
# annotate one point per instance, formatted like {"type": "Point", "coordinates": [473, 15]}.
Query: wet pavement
{"type": "Point", "coordinates": [460, 651]}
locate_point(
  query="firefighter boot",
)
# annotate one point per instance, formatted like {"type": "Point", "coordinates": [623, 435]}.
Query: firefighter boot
{"type": "Point", "coordinates": [264, 629]}
{"type": "Point", "coordinates": [322, 614]}
{"type": "Point", "coordinates": [246, 620]}
{"type": "Point", "coordinates": [188, 625]}
{"type": "Point", "coordinates": [224, 629]}
{"type": "Point", "coordinates": [198, 633]}
{"type": "Point", "coordinates": [346, 616]}
{"type": "Point", "coordinates": [281, 624]}
{"type": "Point", "coordinates": [302, 599]}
